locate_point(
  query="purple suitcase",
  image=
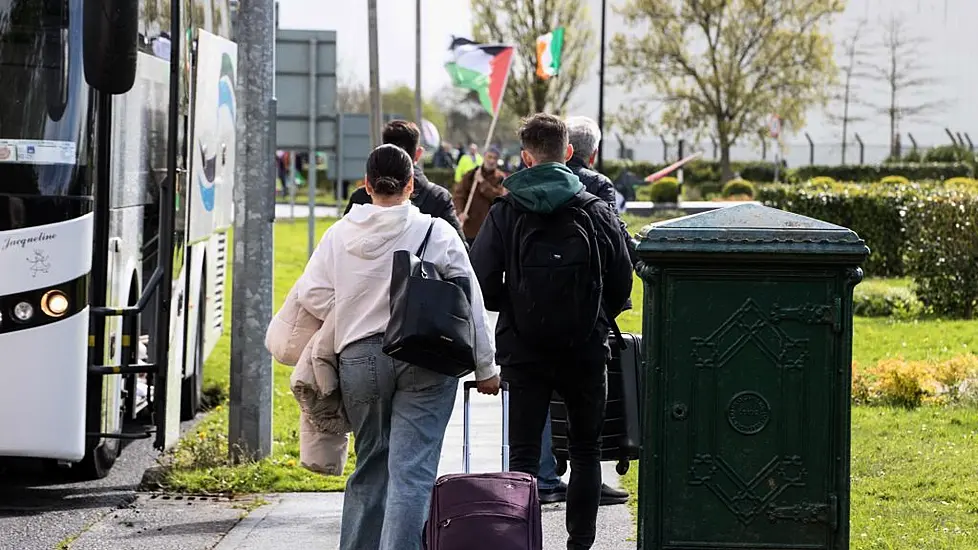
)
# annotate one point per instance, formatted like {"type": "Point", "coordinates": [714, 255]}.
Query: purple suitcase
{"type": "Point", "coordinates": [493, 511]}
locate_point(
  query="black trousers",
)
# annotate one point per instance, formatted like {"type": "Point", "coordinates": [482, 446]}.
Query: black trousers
{"type": "Point", "coordinates": [581, 380]}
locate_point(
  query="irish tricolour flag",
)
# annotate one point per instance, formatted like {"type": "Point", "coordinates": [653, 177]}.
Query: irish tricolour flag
{"type": "Point", "coordinates": [480, 67]}
{"type": "Point", "coordinates": [549, 48]}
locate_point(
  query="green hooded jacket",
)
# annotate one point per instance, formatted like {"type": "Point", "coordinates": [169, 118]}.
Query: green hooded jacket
{"type": "Point", "coordinates": [543, 188]}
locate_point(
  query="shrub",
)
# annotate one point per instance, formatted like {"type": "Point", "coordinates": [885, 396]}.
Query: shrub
{"type": "Point", "coordinates": [444, 177]}
{"type": "Point", "coordinates": [738, 187]}
{"type": "Point", "coordinates": [866, 173]}
{"type": "Point", "coordinates": [908, 384]}
{"type": "Point", "coordinates": [943, 251]}
{"type": "Point", "coordinates": [881, 300]}
{"type": "Point", "coordinates": [962, 182]}
{"type": "Point", "coordinates": [694, 173]}
{"type": "Point", "coordinates": [665, 190]}
{"type": "Point", "coordinates": [913, 156]}
{"type": "Point", "coordinates": [948, 153]}
{"type": "Point", "coordinates": [821, 180]}
{"type": "Point", "coordinates": [894, 179]}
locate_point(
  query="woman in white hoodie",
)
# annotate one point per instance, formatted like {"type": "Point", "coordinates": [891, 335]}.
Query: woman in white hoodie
{"type": "Point", "coordinates": [398, 411]}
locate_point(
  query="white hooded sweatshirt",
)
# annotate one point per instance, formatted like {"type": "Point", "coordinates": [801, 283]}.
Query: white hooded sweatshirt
{"type": "Point", "coordinates": [351, 271]}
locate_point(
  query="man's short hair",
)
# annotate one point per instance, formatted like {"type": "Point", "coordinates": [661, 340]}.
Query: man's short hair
{"type": "Point", "coordinates": [544, 136]}
{"type": "Point", "coordinates": [404, 134]}
{"type": "Point", "coordinates": [585, 135]}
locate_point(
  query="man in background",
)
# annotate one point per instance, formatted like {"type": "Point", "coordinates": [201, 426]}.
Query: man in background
{"type": "Point", "coordinates": [487, 181]}
{"type": "Point", "coordinates": [430, 198]}
{"type": "Point", "coordinates": [467, 162]}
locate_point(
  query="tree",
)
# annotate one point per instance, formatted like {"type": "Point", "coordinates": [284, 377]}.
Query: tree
{"type": "Point", "coordinates": [904, 75]}
{"type": "Point", "coordinates": [399, 101]}
{"type": "Point", "coordinates": [519, 23]}
{"type": "Point", "coordinates": [353, 96]}
{"type": "Point", "coordinates": [852, 69]}
{"type": "Point", "coordinates": [721, 67]}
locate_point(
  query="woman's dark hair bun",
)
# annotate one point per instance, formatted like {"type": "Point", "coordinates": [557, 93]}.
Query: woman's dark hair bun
{"type": "Point", "coordinates": [389, 169]}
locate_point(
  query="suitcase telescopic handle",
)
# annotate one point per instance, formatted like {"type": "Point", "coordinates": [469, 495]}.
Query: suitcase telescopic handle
{"type": "Point", "coordinates": [467, 425]}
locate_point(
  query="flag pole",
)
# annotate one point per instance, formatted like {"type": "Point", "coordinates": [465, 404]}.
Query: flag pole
{"type": "Point", "coordinates": [492, 129]}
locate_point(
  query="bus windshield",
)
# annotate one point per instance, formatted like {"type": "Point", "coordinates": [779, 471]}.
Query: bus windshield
{"type": "Point", "coordinates": [44, 107]}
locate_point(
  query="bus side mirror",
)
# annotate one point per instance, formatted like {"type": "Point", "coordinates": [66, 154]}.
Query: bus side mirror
{"type": "Point", "coordinates": [109, 44]}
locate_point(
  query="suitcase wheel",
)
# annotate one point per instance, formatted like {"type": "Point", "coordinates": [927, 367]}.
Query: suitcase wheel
{"type": "Point", "coordinates": [561, 466]}
{"type": "Point", "coordinates": [621, 467]}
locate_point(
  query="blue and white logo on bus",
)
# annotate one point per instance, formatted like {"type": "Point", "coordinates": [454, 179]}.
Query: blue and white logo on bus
{"type": "Point", "coordinates": [225, 103]}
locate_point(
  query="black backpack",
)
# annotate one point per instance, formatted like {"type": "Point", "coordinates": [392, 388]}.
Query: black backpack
{"type": "Point", "coordinates": [554, 275]}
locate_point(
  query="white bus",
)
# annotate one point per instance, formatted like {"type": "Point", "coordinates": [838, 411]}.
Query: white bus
{"type": "Point", "coordinates": [117, 150]}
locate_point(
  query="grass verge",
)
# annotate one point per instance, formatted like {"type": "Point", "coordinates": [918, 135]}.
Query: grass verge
{"type": "Point", "coordinates": [913, 482]}
{"type": "Point", "coordinates": [199, 463]}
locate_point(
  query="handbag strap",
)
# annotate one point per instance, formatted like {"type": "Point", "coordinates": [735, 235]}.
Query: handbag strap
{"type": "Point", "coordinates": [424, 243]}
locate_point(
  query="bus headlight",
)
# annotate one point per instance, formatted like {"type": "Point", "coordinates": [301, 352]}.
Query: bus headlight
{"type": "Point", "coordinates": [54, 303]}
{"type": "Point", "coordinates": [23, 312]}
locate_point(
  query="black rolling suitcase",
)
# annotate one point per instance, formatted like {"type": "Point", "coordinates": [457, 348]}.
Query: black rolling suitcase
{"type": "Point", "coordinates": [622, 431]}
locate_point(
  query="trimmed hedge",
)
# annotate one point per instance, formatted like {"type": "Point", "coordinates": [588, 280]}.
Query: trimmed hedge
{"type": "Point", "coordinates": [738, 187]}
{"type": "Point", "coordinates": [873, 212]}
{"type": "Point", "coordinates": [867, 173]}
{"type": "Point", "coordinates": [943, 252]}
{"type": "Point", "coordinates": [926, 230]}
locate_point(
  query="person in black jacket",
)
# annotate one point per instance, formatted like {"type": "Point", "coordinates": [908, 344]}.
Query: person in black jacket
{"type": "Point", "coordinates": [585, 136]}
{"type": "Point", "coordinates": [528, 295]}
{"type": "Point", "coordinates": [430, 198]}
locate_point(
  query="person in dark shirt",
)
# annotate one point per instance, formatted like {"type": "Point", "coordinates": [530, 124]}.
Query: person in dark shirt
{"type": "Point", "coordinates": [431, 199]}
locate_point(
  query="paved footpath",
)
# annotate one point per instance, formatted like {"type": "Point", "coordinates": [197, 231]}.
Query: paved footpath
{"type": "Point", "coordinates": [312, 520]}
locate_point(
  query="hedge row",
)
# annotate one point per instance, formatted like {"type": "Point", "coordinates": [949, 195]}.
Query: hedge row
{"type": "Point", "coordinates": [867, 173]}
{"type": "Point", "coordinates": [708, 173]}
{"type": "Point", "coordinates": [925, 230]}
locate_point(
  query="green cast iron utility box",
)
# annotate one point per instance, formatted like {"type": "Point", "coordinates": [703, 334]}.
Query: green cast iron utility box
{"type": "Point", "coordinates": [748, 331]}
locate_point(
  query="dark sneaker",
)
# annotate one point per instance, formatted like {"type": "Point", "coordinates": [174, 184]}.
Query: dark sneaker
{"type": "Point", "coordinates": [610, 496]}
{"type": "Point", "coordinates": [552, 496]}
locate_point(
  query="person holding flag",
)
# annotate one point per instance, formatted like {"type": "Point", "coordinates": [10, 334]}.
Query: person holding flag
{"type": "Point", "coordinates": [484, 69]}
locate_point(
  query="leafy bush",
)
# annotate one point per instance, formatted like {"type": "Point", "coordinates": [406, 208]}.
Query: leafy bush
{"type": "Point", "coordinates": [894, 179]}
{"type": "Point", "coordinates": [969, 183]}
{"type": "Point", "coordinates": [909, 384]}
{"type": "Point", "coordinates": [866, 173]}
{"type": "Point", "coordinates": [444, 177]}
{"type": "Point", "coordinates": [949, 153]}
{"type": "Point", "coordinates": [739, 187]}
{"type": "Point", "coordinates": [913, 156]}
{"type": "Point", "coordinates": [821, 180]}
{"type": "Point", "coordinates": [871, 299]}
{"type": "Point", "coordinates": [695, 173]}
{"type": "Point", "coordinates": [943, 253]}
{"type": "Point", "coordinates": [665, 190]}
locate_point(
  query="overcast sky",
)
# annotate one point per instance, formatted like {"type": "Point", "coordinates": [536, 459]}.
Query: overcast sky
{"type": "Point", "coordinates": [952, 49]}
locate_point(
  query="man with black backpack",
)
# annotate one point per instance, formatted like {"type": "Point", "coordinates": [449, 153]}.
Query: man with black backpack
{"type": "Point", "coordinates": [552, 260]}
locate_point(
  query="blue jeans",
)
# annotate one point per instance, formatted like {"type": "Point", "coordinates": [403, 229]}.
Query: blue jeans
{"type": "Point", "coordinates": [399, 414]}
{"type": "Point", "coordinates": [547, 479]}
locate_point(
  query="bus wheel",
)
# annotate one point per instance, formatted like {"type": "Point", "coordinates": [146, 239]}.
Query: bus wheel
{"type": "Point", "coordinates": [192, 389]}
{"type": "Point", "coordinates": [97, 461]}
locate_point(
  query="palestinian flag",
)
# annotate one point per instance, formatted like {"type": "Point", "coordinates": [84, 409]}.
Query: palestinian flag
{"type": "Point", "coordinates": [480, 67]}
{"type": "Point", "coordinates": [549, 48]}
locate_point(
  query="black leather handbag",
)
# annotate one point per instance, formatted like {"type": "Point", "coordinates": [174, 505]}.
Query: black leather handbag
{"type": "Point", "coordinates": [431, 318]}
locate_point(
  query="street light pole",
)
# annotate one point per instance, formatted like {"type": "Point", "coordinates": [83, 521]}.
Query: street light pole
{"type": "Point", "coordinates": [600, 160]}
{"type": "Point", "coordinates": [417, 65]}
{"type": "Point", "coordinates": [375, 108]}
